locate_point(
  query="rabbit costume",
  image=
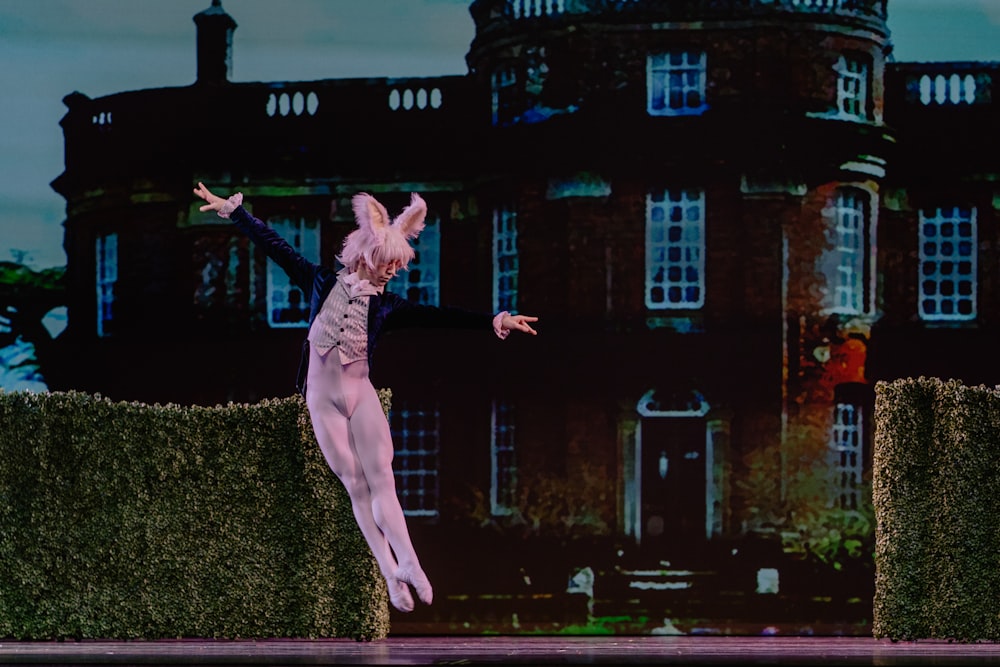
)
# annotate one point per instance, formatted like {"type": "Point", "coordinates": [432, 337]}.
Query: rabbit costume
{"type": "Point", "coordinates": [348, 312]}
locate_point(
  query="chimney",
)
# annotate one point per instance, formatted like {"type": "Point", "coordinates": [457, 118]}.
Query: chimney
{"type": "Point", "coordinates": [215, 44]}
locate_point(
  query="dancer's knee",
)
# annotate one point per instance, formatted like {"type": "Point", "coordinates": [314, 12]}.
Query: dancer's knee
{"type": "Point", "coordinates": [381, 480]}
{"type": "Point", "coordinates": [355, 484]}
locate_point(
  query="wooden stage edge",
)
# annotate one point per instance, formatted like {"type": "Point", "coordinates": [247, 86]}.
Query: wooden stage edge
{"type": "Point", "coordinates": [525, 650]}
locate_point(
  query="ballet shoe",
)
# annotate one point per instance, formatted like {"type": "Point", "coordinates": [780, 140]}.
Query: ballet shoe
{"type": "Point", "coordinates": [399, 595]}
{"type": "Point", "coordinates": [418, 580]}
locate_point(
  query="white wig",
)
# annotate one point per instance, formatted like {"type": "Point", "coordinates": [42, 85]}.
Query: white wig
{"type": "Point", "coordinates": [377, 240]}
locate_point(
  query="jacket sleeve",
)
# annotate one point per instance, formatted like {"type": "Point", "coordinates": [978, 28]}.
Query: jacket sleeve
{"type": "Point", "coordinates": [399, 313]}
{"type": "Point", "coordinates": [300, 270]}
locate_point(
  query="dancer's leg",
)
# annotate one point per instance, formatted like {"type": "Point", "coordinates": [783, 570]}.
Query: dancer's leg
{"type": "Point", "coordinates": [373, 444]}
{"type": "Point", "coordinates": [327, 411]}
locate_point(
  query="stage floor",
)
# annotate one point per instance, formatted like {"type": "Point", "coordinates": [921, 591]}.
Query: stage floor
{"type": "Point", "coordinates": [531, 650]}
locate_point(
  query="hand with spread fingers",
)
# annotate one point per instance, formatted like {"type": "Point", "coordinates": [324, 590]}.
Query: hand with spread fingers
{"type": "Point", "coordinates": [519, 322]}
{"type": "Point", "coordinates": [214, 201]}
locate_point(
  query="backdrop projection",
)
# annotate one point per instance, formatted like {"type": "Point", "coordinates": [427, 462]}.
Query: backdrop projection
{"type": "Point", "coordinates": [100, 47]}
{"type": "Point", "coordinates": [103, 47]}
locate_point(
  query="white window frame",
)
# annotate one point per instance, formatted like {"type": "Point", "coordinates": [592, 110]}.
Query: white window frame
{"type": "Point", "coordinates": [503, 460]}
{"type": "Point", "coordinates": [416, 431]}
{"type": "Point", "coordinates": [852, 87]}
{"type": "Point", "coordinates": [303, 235]}
{"type": "Point", "coordinates": [850, 247]}
{"type": "Point", "coordinates": [423, 275]}
{"type": "Point", "coordinates": [672, 78]}
{"type": "Point", "coordinates": [106, 280]}
{"type": "Point", "coordinates": [675, 249]}
{"type": "Point", "coordinates": [948, 271]}
{"type": "Point", "coordinates": [506, 264]}
{"type": "Point", "coordinates": [846, 456]}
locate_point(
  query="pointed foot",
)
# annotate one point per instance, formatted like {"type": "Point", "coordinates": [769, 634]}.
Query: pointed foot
{"type": "Point", "coordinates": [399, 595]}
{"type": "Point", "coordinates": [418, 580]}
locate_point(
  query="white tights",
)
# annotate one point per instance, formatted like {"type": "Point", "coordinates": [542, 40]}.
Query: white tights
{"type": "Point", "coordinates": [353, 434]}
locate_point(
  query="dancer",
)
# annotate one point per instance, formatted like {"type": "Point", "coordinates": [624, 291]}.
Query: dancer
{"type": "Point", "coordinates": [348, 311]}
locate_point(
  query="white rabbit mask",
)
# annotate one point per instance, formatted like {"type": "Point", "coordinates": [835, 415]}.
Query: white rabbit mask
{"type": "Point", "coordinates": [378, 240]}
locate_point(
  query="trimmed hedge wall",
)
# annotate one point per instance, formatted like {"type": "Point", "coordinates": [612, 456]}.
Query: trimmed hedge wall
{"type": "Point", "coordinates": [125, 520]}
{"type": "Point", "coordinates": [936, 485]}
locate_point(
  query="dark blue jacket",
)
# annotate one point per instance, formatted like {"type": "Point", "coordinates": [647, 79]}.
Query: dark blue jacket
{"type": "Point", "coordinates": [386, 311]}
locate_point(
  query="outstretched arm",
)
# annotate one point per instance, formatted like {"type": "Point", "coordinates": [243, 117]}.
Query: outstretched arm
{"type": "Point", "coordinates": [300, 270]}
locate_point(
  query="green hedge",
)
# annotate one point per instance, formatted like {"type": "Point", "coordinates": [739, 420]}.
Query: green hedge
{"type": "Point", "coordinates": [936, 485]}
{"type": "Point", "coordinates": [125, 520]}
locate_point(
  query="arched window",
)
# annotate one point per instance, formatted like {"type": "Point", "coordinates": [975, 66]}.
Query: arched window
{"type": "Point", "coordinates": [847, 446]}
{"type": "Point", "coordinates": [848, 262]}
{"type": "Point", "coordinates": [107, 279]}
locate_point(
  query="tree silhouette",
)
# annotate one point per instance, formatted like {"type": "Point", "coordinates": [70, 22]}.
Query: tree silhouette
{"type": "Point", "coordinates": [26, 296]}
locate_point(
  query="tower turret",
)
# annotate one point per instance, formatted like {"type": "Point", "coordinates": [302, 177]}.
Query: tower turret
{"type": "Point", "coordinates": [215, 44]}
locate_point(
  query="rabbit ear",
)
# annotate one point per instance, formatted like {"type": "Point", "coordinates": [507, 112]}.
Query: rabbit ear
{"type": "Point", "coordinates": [411, 221]}
{"type": "Point", "coordinates": [371, 216]}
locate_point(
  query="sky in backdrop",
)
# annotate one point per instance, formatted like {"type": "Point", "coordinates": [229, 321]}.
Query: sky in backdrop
{"type": "Point", "coordinates": [50, 48]}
